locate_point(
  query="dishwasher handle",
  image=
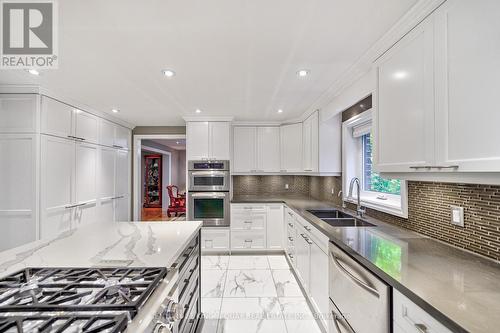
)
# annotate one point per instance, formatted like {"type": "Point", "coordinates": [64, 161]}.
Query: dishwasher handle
{"type": "Point", "coordinates": [356, 280]}
{"type": "Point", "coordinates": [337, 326]}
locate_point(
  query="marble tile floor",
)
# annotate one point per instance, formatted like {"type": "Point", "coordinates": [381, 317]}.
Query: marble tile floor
{"type": "Point", "coordinates": [254, 294]}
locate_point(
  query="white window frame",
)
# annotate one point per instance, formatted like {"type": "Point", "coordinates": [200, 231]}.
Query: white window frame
{"type": "Point", "coordinates": [352, 166]}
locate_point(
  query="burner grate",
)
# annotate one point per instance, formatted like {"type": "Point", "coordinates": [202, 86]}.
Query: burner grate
{"type": "Point", "coordinates": [79, 289]}
{"type": "Point", "coordinates": [64, 323]}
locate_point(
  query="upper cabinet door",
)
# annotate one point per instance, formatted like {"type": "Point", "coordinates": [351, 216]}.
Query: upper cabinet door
{"type": "Point", "coordinates": [122, 137]}
{"type": "Point", "coordinates": [268, 149]}
{"type": "Point", "coordinates": [404, 120]}
{"type": "Point", "coordinates": [197, 140]}
{"type": "Point", "coordinates": [291, 147]}
{"type": "Point", "coordinates": [244, 149]}
{"type": "Point", "coordinates": [106, 133]}
{"type": "Point", "coordinates": [18, 113]}
{"type": "Point", "coordinates": [467, 82]}
{"type": "Point", "coordinates": [57, 118]}
{"type": "Point", "coordinates": [86, 126]}
{"type": "Point", "coordinates": [310, 142]}
{"type": "Point", "coordinates": [220, 140]}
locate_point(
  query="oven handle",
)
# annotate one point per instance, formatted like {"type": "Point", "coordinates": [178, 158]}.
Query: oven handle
{"type": "Point", "coordinates": [209, 195]}
{"type": "Point", "coordinates": [208, 173]}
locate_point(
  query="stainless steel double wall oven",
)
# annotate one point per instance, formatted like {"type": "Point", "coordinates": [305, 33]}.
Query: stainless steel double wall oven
{"type": "Point", "coordinates": [209, 183]}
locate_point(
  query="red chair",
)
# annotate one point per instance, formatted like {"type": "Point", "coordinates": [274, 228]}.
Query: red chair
{"type": "Point", "coordinates": [177, 202]}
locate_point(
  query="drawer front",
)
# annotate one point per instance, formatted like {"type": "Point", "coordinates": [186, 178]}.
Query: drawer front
{"type": "Point", "coordinates": [314, 234]}
{"type": "Point", "coordinates": [241, 220]}
{"type": "Point", "coordinates": [248, 208]}
{"type": "Point", "coordinates": [215, 239]}
{"type": "Point", "coordinates": [409, 317]}
{"type": "Point", "coordinates": [248, 239]}
{"type": "Point", "coordinates": [358, 294]}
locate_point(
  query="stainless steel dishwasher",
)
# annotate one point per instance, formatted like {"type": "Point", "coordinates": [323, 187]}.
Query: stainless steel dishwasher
{"type": "Point", "coordinates": [359, 300]}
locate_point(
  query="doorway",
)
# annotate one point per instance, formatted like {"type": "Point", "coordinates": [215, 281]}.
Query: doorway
{"type": "Point", "coordinates": [159, 177]}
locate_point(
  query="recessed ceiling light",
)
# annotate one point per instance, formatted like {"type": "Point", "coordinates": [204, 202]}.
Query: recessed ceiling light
{"type": "Point", "coordinates": [303, 72]}
{"type": "Point", "coordinates": [115, 110]}
{"type": "Point", "coordinates": [33, 72]}
{"type": "Point", "coordinates": [280, 111]}
{"type": "Point", "coordinates": [168, 72]}
{"type": "Point", "coordinates": [198, 111]}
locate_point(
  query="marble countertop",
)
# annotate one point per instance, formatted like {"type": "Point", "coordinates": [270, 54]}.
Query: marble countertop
{"type": "Point", "coordinates": [140, 244]}
{"type": "Point", "coordinates": [460, 289]}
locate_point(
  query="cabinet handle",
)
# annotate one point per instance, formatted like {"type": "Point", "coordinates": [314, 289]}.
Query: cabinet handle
{"type": "Point", "coordinates": [421, 328]}
{"type": "Point", "coordinates": [360, 283]}
{"type": "Point", "coordinates": [247, 222]}
{"type": "Point", "coordinates": [290, 224]}
{"type": "Point", "coordinates": [290, 255]}
{"type": "Point", "coordinates": [429, 167]}
{"type": "Point", "coordinates": [337, 326]}
{"type": "Point", "coordinates": [290, 238]}
{"type": "Point", "coordinates": [117, 146]}
{"type": "Point", "coordinates": [308, 170]}
{"type": "Point", "coordinates": [70, 206]}
{"type": "Point", "coordinates": [248, 241]}
{"type": "Point", "coordinates": [282, 170]}
{"type": "Point", "coordinates": [307, 228]}
{"type": "Point", "coordinates": [308, 241]}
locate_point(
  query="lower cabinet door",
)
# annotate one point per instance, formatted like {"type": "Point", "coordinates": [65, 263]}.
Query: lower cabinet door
{"type": "Point", "coordinates": [215, 239]}
{"type": "Point", "coordinates": [86, 183]}
{"type": "Point", "coordinates": [275, 227]}
{"type": "Point", "coordinates": [303, 254]}
{"type": "Point", "coordinates": [248, 239]}
{"type": "Point", "coordinates": [319, 282]}
{"type": "Point", "coordinates": [122, 208]}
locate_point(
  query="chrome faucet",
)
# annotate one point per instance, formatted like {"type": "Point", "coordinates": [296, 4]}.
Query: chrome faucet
{"type": "Point", "coordinates": [359, 209]}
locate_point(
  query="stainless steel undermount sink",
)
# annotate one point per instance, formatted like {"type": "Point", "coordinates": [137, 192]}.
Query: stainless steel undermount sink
{"type": "Point", "coordinates": [336, 218]}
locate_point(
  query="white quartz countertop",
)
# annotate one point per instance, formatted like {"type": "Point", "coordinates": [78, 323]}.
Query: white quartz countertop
{"type": "Point", "coordinates": [133, 244]}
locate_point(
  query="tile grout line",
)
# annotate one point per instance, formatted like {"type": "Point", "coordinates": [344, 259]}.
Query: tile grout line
{"type": "Point", "coordinates": [277, 296]}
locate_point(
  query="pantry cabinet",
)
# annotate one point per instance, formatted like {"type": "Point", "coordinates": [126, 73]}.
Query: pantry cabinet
{"type": "Point", "coordinates": [18, 181]}
{"type": "Point", "coordinates": [208, 140]}
{"type": "Point", "coordinates": [433, 108]}
{"type": "Point", "coordinates": [291, 147]}
{"type": "Point", "coordinates": [59, 173]}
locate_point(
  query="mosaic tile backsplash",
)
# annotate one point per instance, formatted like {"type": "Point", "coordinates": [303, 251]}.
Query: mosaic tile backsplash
{"type": "Point", "coordinates": [428, 207]}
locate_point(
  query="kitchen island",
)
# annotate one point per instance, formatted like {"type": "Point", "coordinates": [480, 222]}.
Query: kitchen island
{"type": "Point", "coordinates": [142, 276]}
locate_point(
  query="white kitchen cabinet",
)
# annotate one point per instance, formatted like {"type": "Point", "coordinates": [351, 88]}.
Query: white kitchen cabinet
{"type": "Point", "coordinates": [275, 227]}
{"type": "Point", "coordinates": [256, 149]}
{"type": "Point", "coordinates": [409, 317]}
{"type": "Point", "coordinates": [319, 281]}
{"type": "Point", "coordinates": [208, 140]}
{"type": "Point", "coordinates": [219, 136]}
{"type": "Point", "coordinates": [303, 257]}
{"type": "Point", "coordinates": [310, 143]}
{"type": "Point", "coordinates": [56, 118]}
{"type": "Point", "coordinates": [467, 72]}
{"type": "Point", "coordinates": [248, 239]}
{"type": "Point", "coordinates": [18, 113]}
{"type": "Point", "coordinates": [86, 126]}
{"type": "Point", "coordinates": [244, 149]}
{"type": "Point", "coordinates": [404, 120]}
{"type": "Point", "coordinates": [106, 184]}
{"type": "Point", "coordinates": [86, 183]}
{"type": "Point", "coordinates": [291, 147]}
{"type": "Point", "coordinates": [268, 149]}
{"type": "Point", "coordinates": [114, 135]}
{"type": "Point", "coordinates": [18, 181]}
{"type": "Point", "coordinates": [215, 239]}
{"type": "Point", "coordinates": [122, 186]}
{"type": "Point", "coordinates": [57, 195]}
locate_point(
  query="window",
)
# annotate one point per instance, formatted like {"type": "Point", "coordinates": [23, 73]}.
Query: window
{"type": "Point", "coordinates": [387, 195]}
{"type": "Point", "coordinates": [371, 180]}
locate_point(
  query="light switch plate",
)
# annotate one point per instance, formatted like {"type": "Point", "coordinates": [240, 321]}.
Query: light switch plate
{"type": "Point", "coordinates": [457, 215]}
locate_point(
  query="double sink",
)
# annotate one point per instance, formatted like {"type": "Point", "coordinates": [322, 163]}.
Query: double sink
{"type": "Point", "coordinates": [336, 218]}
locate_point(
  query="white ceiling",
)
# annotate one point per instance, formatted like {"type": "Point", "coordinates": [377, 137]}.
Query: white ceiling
{"type": "Point", "coordinates": [232, 57]}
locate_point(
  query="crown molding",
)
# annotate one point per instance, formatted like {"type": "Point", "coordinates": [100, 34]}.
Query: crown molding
{"type": "Point", "coordinates": [363, 65]}
{"type": "Point", "coordinates": [208, 118]}
{"type": "Point", "coordinates": [34, 89]}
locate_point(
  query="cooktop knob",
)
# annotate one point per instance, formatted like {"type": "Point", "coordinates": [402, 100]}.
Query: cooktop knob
{"type": "Point", "coordinates": [172, 312]}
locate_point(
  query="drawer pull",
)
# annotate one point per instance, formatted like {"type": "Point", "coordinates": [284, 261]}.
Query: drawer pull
{"type": "Point", "coordinates": [248, 240]}
{"type": "Point", "coordinates": [360, 283]}
{"type": "Point", "coordinates": [290, 239]}
{"type": "Point", "coordinates": [290, 255]}
{"type": "Point", "coordinates": [290, 224]}
{"type": "Point", "coordinates": [307, 228]}
{"type": "Point", "coordinates": [421, 328]}
{"type": "Point", "coordinates": [248, 222]}
{"type": "Point", "coordinates": [337, 326]}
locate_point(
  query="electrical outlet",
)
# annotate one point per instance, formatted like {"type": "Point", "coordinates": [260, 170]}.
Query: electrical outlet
{"type": "Point", "coordinates": [457, 216]}
{"type": "Point", "coordinates": [333, 191]}
{"type": "Point", "coordinates": [286, 186]}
